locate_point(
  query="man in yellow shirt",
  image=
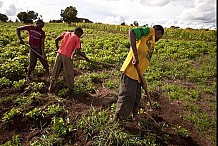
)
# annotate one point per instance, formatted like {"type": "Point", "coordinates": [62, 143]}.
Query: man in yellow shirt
{"type": "Point", "coordinates": [142, 40]}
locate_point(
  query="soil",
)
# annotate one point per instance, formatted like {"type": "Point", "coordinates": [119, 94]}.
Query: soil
{"type": "Point", "coordinates": [168, 113]}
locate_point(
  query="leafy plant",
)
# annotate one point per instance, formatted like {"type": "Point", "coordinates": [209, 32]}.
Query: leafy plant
{"type": "Point", "coordinates": [63, 92]}
{"type": "Point", "coordinates": [181, 131]}
{"type": "Point", "coordinates": [15, 141]}
{"type": "Point", "coordinates": [60, 127]}
{"type": "Point", "coordinates": [53, 109]}
{"type": "Point", "coordinates": [19, 84]}
{"type": "Point", "coordinates": [83, 84]}
{"type": "Point", "coordinates": [46, 140]}
{"type": "Point", "coordinates": [11, 114]}
{"type": "Point", "coordinates": [4, 82]}
{"type": "Point", "coordinates": [35, 113]}
{"type": "Point", "coordinates": [111, 84]}
{"type": "Point", "coordinates": [35, 86]}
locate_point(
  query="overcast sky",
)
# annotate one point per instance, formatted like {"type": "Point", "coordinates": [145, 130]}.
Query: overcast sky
{"type": "Point", "coordinates": [183, 13]}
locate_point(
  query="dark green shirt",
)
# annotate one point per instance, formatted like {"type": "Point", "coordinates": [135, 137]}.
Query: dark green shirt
{"type": "Point", "coordinates": [141, 31]}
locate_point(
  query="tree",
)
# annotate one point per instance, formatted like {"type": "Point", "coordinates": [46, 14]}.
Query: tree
{"type": "Point", "coordinates": [56, 21]}
{"type": "Point", "coordinates": [123, 23]}
{"type": "Point", "coordinates": [69, 14]}
{"type": "Point", "coordinates": [27, 17]}
{"type": "Point", "coordinates": [85, 20]}
{"type": "Point", "coordinates": [3, 17]}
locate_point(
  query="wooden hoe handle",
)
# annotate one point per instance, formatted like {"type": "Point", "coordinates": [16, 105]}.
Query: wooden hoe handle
{"type": "Point", "coordinates": [34, 51]}
{"type": "Point", "coordinates": [144, 85]}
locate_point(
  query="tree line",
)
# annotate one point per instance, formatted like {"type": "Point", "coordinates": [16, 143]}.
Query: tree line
{"type": "Point", "coordinates": [68, 15]}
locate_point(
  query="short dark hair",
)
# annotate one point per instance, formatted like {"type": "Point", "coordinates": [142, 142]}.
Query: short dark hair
{"type": "Point", "coordinates": [79, 29]}
{"type": "Point", "coordinates": [159, 27]}
{"type": "Point", "coordinates": [40, 21]}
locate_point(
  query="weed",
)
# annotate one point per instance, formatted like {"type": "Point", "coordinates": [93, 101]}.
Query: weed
{"type": "Point", "coordinates": [98, 127]}
{"type": "Point", "coordinates": [45, 140]}
{"type": "Point", "coordinates": [35, 86]}
{"type": "Point", "coordinates": [11, 114]}
{"type": "Point", "coordinates": [63, 92]}
{"type": "Point", "coordinates": [60, 127]}
{"type": "Point", "coordinates": [15, 141]}
{"type": "Point", "coordinates": [19, 84]}
{"type": "Point", "coordinates": [111, 84]}
{"type": "Point", "coordinates": [181, 131]}
{"type": "Point", "coordinates": [4, 82]}
{"type": "Point", "coordinates": [53, 109]}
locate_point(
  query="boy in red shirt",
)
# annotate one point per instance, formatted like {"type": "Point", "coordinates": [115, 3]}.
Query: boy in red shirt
{"type": "Point", "coordinates": [70, 45]}
{"type": "Point", "coordinates": [36, 42]}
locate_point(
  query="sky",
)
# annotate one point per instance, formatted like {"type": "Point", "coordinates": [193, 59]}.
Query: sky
{"type": "Point", "coordinates": [195, 14]}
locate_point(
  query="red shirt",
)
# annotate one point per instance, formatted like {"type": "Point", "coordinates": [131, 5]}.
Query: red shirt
{"type": "Point", "coordinates": [35, 35]}
{"type": "Point", "coordinates": [70, 42]}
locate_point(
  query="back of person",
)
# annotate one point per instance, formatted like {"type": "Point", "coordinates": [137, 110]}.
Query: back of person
{"type": "Point", "coordinates": [70, 42]}
{"type": "Point", "coordinates": [145, 46]}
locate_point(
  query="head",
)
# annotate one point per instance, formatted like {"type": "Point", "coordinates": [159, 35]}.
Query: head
{"type": "Point", "coordinates": [78, 31]}
{"type": "Point", "coordinates": [159, 31]}
{"type": "Point", "coordinates": [40, 24]}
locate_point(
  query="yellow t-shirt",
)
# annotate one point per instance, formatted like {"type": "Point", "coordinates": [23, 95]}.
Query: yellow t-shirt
{"type": "Point", "coordinates": [145, 48]}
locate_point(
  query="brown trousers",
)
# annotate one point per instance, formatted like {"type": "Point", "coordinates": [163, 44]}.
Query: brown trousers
{"type": "Point", "coordinates": [65, 63]}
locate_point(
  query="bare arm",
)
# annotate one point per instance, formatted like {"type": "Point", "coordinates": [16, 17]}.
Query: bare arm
{"type": "Point", "coordinates": [132, 38]}
{"type": "Point", "coordinates": [19, 36]}
{"type": "Point", "coordinates": [82, 54]}
{"type": "Point", "coordinates": [57, 41]}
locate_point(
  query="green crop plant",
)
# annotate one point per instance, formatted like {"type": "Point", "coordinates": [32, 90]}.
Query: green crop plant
{"type": "Point", "coordinates": [60, 127]}
{"type": "Point", "coordinates": [23, 101]}
{"type": "Point", "coordinates": [35, 86]}
{"type": "Point", "coordinates": [181, 131]}
{"type": "Point", "coordinates": [201, 120]}
{"type": "Point", "coordinates": [4, 82]}
{"type": "Point", "coordinates": [83, 84]}
{"type": "Point", "coordinates": [28, 101]}
{"type": "Point", "coordinates": [111, 84]}
{"type": "Point", "coordinates": [98, 77]}
{"type": "Point", "coordinates": [19, 84]}
{"type": "Point", "coordinates": [15, 141]}
{"type": "Point", "coordinates": [12, 69]}
{"type": "Point", "coordinates": [36, 112]}
{"type": "Point", "coordinates": [63, 92]}
{"type": "Point", "coordinates": [53, 109]}
{"type": "Point", "coordinates": [10, 115]}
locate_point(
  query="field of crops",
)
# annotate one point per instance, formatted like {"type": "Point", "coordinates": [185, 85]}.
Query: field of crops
{"type": "Point", "coordinates": [181, 81]}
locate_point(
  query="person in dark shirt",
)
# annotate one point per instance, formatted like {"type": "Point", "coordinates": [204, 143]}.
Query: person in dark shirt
{"type": "Point", "coordinates": [36, 42]}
